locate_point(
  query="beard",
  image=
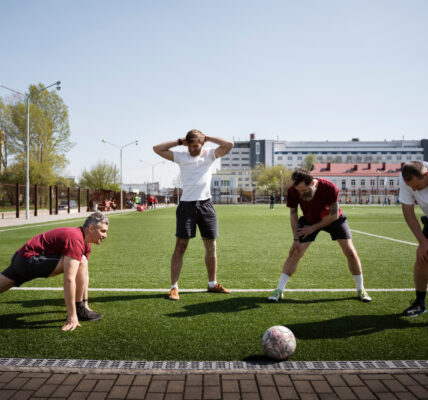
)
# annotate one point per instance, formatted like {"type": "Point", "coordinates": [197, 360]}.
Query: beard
{"type": "Point", "coordinates": [309, 195]}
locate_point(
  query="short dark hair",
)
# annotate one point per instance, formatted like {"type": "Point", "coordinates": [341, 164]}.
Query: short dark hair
{"type": "Point", "coordinates": [413, 169]}
{"type": "Point", "coordinates": [96, 218]}
{"type": "Point", "coordinates": [301, 175]}
{"type": "Point", "coordinates": [195, 135]}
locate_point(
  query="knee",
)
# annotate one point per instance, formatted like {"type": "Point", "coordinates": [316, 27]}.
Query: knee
{"type": "Point", "coordinates": [210, 248]}
{"type": "Point", "coordinates": [350, 253]}
{"type": "Point", "coordinates": [181, 246]}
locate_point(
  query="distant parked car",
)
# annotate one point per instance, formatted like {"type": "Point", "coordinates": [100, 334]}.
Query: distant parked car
{"type": "Point", "coordinates": [63, 204]}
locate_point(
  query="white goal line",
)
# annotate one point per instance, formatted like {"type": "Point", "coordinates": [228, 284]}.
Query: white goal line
{"type": "Point", "coordinates": [204, 290]}
{"type": "Point", "coordinates": [384, 237]}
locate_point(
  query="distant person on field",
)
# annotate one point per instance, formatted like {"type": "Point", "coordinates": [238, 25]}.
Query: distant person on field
{"type": "Point", "coordinates": [413, 182]}
{"type": "Point", "coordinates": [195, 207]}
{"type": "Point", "coordinates": [272, 202]}
{"type": "Point", "coordinates": [61, 250]}
{"type": "Point", "coordinates": [318, 200]}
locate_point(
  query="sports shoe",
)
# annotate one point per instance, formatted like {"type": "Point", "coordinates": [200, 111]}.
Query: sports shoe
{"type": "Point", "coordinates": [87, 315]}
{"type": "Point", "coordinates": [218, 289]}
{"type": "Point", "coordinates": [275, 296]}
{"type": "Point", "coordinates": [417, 308]}
{"type": "Point", "coordinates": [363, 296]}
{"type": "Point", "coordinates": [173, 294]}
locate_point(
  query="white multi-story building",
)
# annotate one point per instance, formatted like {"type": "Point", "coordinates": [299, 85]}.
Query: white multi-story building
{"type": "Point", "coordinates": [292, 154]}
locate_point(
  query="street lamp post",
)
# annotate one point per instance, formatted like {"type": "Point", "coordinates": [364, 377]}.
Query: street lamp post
{"type": "Point", "coordinates": [153, 169]}
{"type": "Point", "coordinates": [120, 148]}
{"type": "Point", "coordinates": [27, 143]}
{"type": "Point", "coordinates": [282, 181]}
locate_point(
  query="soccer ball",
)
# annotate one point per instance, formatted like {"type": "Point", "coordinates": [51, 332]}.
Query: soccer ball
{"type": "Point", "coordinates": [278, 342]}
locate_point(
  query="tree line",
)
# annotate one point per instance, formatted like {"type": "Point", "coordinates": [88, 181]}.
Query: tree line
{"type": "Point", "coordinates": [50, 141]}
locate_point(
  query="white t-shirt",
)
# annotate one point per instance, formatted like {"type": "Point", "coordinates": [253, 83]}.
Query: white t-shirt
{"type": "Point", "coordinates": [196, 174]}
{"type": "Point", "coordinates": [409, 196]}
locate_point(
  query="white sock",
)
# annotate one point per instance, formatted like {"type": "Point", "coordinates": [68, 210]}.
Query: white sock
{"type": "Point", "coordinates": [282, 282]}
{"type": "Point", "coordinates": [212, 284]}
{"type": "Point", "coordinates": [174, 286]}
{"type": "Point", "coordinates": [359, 281]}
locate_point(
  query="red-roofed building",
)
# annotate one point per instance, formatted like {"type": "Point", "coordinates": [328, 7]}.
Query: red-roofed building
{"type": "Point", "coordinates": [359, 182]}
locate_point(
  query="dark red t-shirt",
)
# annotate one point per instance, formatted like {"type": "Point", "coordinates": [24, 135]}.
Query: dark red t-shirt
{"type": "Point", "coordinates": [65, 241]}
{"type": "Point", "coordinates": [316, 209]}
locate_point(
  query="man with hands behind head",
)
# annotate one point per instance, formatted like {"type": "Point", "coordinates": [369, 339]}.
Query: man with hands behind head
{"type": "Point", "coordinates": [195, 207]}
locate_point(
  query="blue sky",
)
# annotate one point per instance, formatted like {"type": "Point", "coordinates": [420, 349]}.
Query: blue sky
{"type": "Point", "coordinates": [152, 70]}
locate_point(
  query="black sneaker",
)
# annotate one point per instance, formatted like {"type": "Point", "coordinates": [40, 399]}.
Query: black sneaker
{"type": "Point", "coordinates": [87, 315]}
{"type": "Point", "coordinates": [417, 308]}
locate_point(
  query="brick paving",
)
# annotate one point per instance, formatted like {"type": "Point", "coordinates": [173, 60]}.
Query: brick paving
{"type": "Point", "coordinates": [216, 385]}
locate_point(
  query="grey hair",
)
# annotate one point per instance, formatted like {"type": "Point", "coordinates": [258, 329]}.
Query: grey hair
{"type": "Point", "coordinates": [96, 218]}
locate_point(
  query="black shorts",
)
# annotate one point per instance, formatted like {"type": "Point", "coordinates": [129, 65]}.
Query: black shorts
{"type": "Point", "coordinates": [424, 220]}
{"type": "Point", "coordinates": [339, 229]}
{"type": "Point", "coordinates": [22, 269]}
{"type": "Point", "coordinates": [192, 213]}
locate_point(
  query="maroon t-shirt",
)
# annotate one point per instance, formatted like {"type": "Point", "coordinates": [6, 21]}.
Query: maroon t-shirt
{"type": "Point", "coordinates": [316, 209]}
{"type": "Point", "coordinates": [65, 241]}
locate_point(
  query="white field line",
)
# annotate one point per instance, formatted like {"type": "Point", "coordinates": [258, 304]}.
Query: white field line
{"type": "Point", "coordinates": [204, 290]}
{"type": "Point", "coordinates": [384, 237]}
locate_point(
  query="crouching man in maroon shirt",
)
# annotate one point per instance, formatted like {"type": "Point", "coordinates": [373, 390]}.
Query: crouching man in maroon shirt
{"type": "Point", "coordinates": [319, 202]}
{"type": "Point", "coordinates": [61, 250]}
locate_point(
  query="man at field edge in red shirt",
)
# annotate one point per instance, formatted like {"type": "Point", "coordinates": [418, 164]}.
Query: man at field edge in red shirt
{"type": "Point", "coordinates": [61, 250]}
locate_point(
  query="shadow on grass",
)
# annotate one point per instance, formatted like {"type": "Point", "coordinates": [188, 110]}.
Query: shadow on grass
{"type": "Point", "coordinates": [236, 304]}
{"type": "Point", "coordinates": [102, 299]}
{"type": "Point", "coordinates": [20, 321]}
{"type": "Point", "coordinates": [353, 325]}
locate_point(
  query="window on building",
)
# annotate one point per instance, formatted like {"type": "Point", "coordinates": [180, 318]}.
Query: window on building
{"type": "Point", "coordinates": [352, 182]}
{"type": "Point", "coordinates": [289, 157]}
{"type": "Point", "coordinates": [343, 183]}
{"type": "Point", "coordinates": [372, 182]}
{"type": "Point", "coordinates": [299, 158]}
{"type": "Point", "coordinates": [389, 157]}
{"type": "Point", "coordinates": [391, 182]}
{"type": "Point", "coordinates": [363, 182]}
{"type": "Point", "coordinates": [215, 183]}
{"type": "Point", "coordinates": [279, 158]}
{"type": "Point", "coordinates": [382, 182]}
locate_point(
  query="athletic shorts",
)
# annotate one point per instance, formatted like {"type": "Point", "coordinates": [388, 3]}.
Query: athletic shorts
{"type": "Point", "coordinates": [339, 229]}
{"type": "Point", "coordinates": [200, 213]}
{"type": "Point", "coordinates": [424, 220]}
{"type": "Point", "coordinates": [22, 269]}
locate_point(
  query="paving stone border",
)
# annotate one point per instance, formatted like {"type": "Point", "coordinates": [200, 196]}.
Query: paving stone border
{"type": "Point", "coordinates": [219, 366]}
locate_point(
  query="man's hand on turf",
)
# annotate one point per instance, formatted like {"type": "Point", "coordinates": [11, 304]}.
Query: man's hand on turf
{"type": "Point", "coordinates": [304, 231]}
{"type": "Point", "coordinates": [71, 324]}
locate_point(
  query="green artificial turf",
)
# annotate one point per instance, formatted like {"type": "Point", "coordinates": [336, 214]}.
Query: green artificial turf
{"type": "Point", "coordinates": [252, 246]}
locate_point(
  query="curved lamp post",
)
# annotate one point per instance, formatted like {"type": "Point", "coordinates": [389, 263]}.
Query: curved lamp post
{"type": "Point", "coordinates": [27, 145]}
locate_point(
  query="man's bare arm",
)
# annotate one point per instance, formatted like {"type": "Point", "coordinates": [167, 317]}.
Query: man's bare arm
{"type": "Point", "coordinates": [294, 221]}
{"type": "Point", "coordinates": [163, 149]}
{"type": "Point", "coordinates": [224, 146]}
{"type": "Point", "coordinates": [70, 271]}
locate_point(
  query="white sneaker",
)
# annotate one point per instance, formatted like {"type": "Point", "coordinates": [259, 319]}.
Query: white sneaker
{"type": "Point", "coordinates": [275, 296]}
{"type": "Point", "coordinates": [364, 296]}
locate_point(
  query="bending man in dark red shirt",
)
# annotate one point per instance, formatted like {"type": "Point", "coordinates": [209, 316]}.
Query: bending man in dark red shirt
{"type": "Point", "coordinates": [61, 250]}
{"type": "Point", "coordinates": [318, 200]}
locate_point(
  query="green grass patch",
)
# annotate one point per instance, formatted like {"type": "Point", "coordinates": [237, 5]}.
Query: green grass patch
{"type": "Point", "coordinates": [252, 246]}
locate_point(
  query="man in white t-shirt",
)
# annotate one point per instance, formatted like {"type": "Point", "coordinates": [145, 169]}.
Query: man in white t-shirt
{"type": "Point", "coordinates": [195, 207]}
{"type": "Point", "coordinates": [413, 184]}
